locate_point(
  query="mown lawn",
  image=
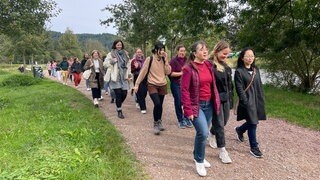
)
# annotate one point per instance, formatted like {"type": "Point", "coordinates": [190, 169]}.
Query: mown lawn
{"type": "Point", "coordinates": [298, 108]}
{"type": "Point", "coordinates": [51, 131]}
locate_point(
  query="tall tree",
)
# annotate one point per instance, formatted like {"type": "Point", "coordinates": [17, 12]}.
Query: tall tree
{"type": "Point", "coordinates": [69, 44]}
{"type": "Point", "coordinates": [171, 21]}
{"type": "Point", "coordinates": [93, 44]}
{"type": "Point", "coordinates": [21, 16]}
{"type": "Point", "coordinates": [287, 32]}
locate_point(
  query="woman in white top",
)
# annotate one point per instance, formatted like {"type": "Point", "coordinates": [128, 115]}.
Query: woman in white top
{"type": "Point", "coordinates": [96, 76]}
{"type": "Point", "coordinates": [118, 73]}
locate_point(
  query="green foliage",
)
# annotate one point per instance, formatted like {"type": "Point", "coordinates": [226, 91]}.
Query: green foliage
{"type": "Point", "coordinates": [17, 80]}
{"type": "Point", "coordinates": [145, 22]}
{"type": "Point", "coordinates": [51, 131]}
{"type": "Point", "coordinates": [21, 16]}
{"type": "Point", "coordinates": [287, 33]}
{"type": "Point", "coordinates": [3, 102]}
{"type": "Point", "coordinates": [298, 108]}
{"type": "Point", "coordinates": [69, 44]}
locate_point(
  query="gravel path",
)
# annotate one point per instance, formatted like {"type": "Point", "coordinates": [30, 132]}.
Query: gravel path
{"type": "Point", "coordinates": [290, 152]}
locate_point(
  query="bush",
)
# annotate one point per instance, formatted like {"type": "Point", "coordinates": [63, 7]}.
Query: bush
{"type": "Point", "coordinates": [20, 80]}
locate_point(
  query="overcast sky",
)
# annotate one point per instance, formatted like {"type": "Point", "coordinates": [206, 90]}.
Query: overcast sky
{"type": "Point", "coordinates": [82, 16]}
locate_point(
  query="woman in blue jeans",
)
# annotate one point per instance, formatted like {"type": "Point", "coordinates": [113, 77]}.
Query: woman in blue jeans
{"type": "Point", "coordinates": [251, 99]}
{"type": "Point", "coordinates": [200, 98]}
{"type": "Point", "coordinates": [175, 77]}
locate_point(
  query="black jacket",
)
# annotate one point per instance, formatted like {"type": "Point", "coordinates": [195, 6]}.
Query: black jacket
{"type": "Point", "coordinates": [224, 84]}
{"type": "Point", "coordinates": [252, 102]}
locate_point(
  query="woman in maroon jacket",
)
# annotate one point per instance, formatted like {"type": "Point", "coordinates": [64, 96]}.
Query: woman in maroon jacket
{"type": "Point", "coordinates": [200, 98]}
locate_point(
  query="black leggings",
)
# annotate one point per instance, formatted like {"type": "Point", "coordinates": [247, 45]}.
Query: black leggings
{"type": "Point", "coordinates": [121, 95]}
{"type": "Point", "coordinates": [157, 109]}
{"type": "Point", "coordinates": [96, 92]}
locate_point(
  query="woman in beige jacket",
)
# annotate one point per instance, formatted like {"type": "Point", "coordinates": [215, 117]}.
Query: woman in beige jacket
{"type": "Point", "coordinates": [154, 72]}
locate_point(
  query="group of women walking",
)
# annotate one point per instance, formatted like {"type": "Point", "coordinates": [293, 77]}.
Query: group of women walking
{"type": "Point", "coordinates": [201, 85]}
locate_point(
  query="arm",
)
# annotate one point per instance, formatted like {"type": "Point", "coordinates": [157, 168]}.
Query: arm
{"type": "Point", "coordinates": [88, 64]}
{"type": "Point", "coordinates": [239, 86]}
{"type": "Point", "coordinates": [185, 92]}
{"type": "Point", "coordinates": [142, 73]}
{"type": "Point", "coordinates": [167, 67]}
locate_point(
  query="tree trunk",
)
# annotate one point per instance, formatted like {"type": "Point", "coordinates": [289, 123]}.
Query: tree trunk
{"type": "Point", "coordinates": [24, 60]}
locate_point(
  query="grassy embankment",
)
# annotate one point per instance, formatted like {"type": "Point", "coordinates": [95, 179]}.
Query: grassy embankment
{"type": "Point", "coordinates": [51, 131]}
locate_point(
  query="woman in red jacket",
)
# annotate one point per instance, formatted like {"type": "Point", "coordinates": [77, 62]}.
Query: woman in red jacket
{"type": "Point", "coordinates": [200, 98]}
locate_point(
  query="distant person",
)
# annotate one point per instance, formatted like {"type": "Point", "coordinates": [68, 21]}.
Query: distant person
{"type": "Point", "coordinates": [21, 68]}
{"type": "Point", "coordinates": [118, 73]}
{"type": "Point", "coordinates": [70, 62]}
{"type": "Point", "coordinates": [200, 98]}
{"type": "Point", "coordinates": [251, 99]}
{"type": "Point", "coordinates": [48, 66]}
{"type": "Point", "coordinates": [83, 62]}
{"type": "Point", "coordinates": [136, 65]}
{"type": "Point", "coordinates": [96, 76]}
{"type": "Point", "coordinates": [64, 70]}
{"type": "Point", "coordinates": [58, 70]}
{"type": "Point", "coordinates": [175, 78]}
{"type": "Point", "coordinates": [155, 69]}
{"type": "Point", "coordinates": [76, 70]}
{"type": "Point", "coordinates": [222, 73]}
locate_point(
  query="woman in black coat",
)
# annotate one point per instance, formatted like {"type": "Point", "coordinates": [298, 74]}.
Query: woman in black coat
{"type": "Point", "coordinates": [251, 98]}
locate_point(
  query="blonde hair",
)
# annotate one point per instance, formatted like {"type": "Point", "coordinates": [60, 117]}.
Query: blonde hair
{"type": "Point", "coordinates": [221, 45]}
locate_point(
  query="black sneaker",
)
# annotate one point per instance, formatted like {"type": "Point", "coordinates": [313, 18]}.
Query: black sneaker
{"type": "Point", "coordinates": [181, 125]}
{"type": "Point", "coordinates": [239, 134]}
{"type": "Point", "coordinates": [255, 151]}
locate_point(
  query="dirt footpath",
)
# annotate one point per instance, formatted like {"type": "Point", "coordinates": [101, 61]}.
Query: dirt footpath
{"type": "Point", "coordinates": [290, 152]}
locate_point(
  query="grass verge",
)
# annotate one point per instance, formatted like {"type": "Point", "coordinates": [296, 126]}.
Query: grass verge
{"type": "Point", "coordinates": [298, 108]}
{"type": "Point", "coordinates": [51, 131]}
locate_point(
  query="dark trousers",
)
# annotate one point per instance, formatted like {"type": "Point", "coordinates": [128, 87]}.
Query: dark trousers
{"type": "Point", "coordinates": [252, 129]}
{"type": "Point", "coordinates": [176, 92]}
{"type": "Point", "coordinates": [142, 93]}
{"type": "Point", "coordinates": [96, 92]}
{"type": "Point", "coordinates": [218, 123]}
{"type": "Point", "coordinates": [157, 109]}
{"type": "Point", "coordinates": [121, 95]}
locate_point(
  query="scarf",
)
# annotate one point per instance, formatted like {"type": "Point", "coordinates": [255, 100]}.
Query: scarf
{"type": "Point", "coordinates": [122, 58]}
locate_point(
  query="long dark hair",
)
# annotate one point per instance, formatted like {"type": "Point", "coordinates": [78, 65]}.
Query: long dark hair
{"type": "Point", "coordinates": [240, 62]}
{"type": "Point", "coordinates": [157, 47]}
{"type": "Point", "coordinates": [115, 42]}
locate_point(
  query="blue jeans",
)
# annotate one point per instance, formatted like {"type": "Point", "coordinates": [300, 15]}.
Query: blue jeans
{"type": "Point", "coordinates": [201, 124]}
{"type": "Point", "coordinates": [176, 92]}
{"type": "Point", "coordinates": [252, 129]}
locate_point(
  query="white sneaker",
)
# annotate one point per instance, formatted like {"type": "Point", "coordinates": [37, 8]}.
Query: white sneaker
{"type": "Point", "coordinates": [95, 102]}
{"type": "Point", "coordinates": [206, 164]}
{"type": "Point", "coordinates": [201, 170]}
{"type": "Point", "coordinates": [88, 89]}
{"type": "Point", "coordinates": [212, 141]}
{"type": "Point", "coordinates": [101, 98]}
{"type": "Point", "coordinates": [143, 111]}
{"type": "Point", "coordinates": [224, 156]}
{"type": "Point", "coordinates": [137, 106]}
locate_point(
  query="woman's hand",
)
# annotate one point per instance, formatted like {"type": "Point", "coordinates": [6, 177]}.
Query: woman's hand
{"type": "Point", "coordinates": [191, 118]}
{"type": "Point", "coordinates": [135, 88]}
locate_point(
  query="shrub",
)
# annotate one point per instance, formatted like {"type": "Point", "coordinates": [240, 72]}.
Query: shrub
{"type": "Point", "coordinates": [20, 80]}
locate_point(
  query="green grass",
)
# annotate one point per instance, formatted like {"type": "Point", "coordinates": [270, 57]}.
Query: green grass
{"type": "Point", "coordinates": [294, 107]}
{"type": "Point", "coordinates": [51, 131]}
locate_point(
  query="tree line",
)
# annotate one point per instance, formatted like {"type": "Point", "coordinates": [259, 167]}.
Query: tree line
{"type": "Point", "coordinates": [284, 33]}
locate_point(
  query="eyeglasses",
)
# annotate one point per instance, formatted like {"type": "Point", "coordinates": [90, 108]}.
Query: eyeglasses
{"type": "Point", "coordinates": [248, 56]}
